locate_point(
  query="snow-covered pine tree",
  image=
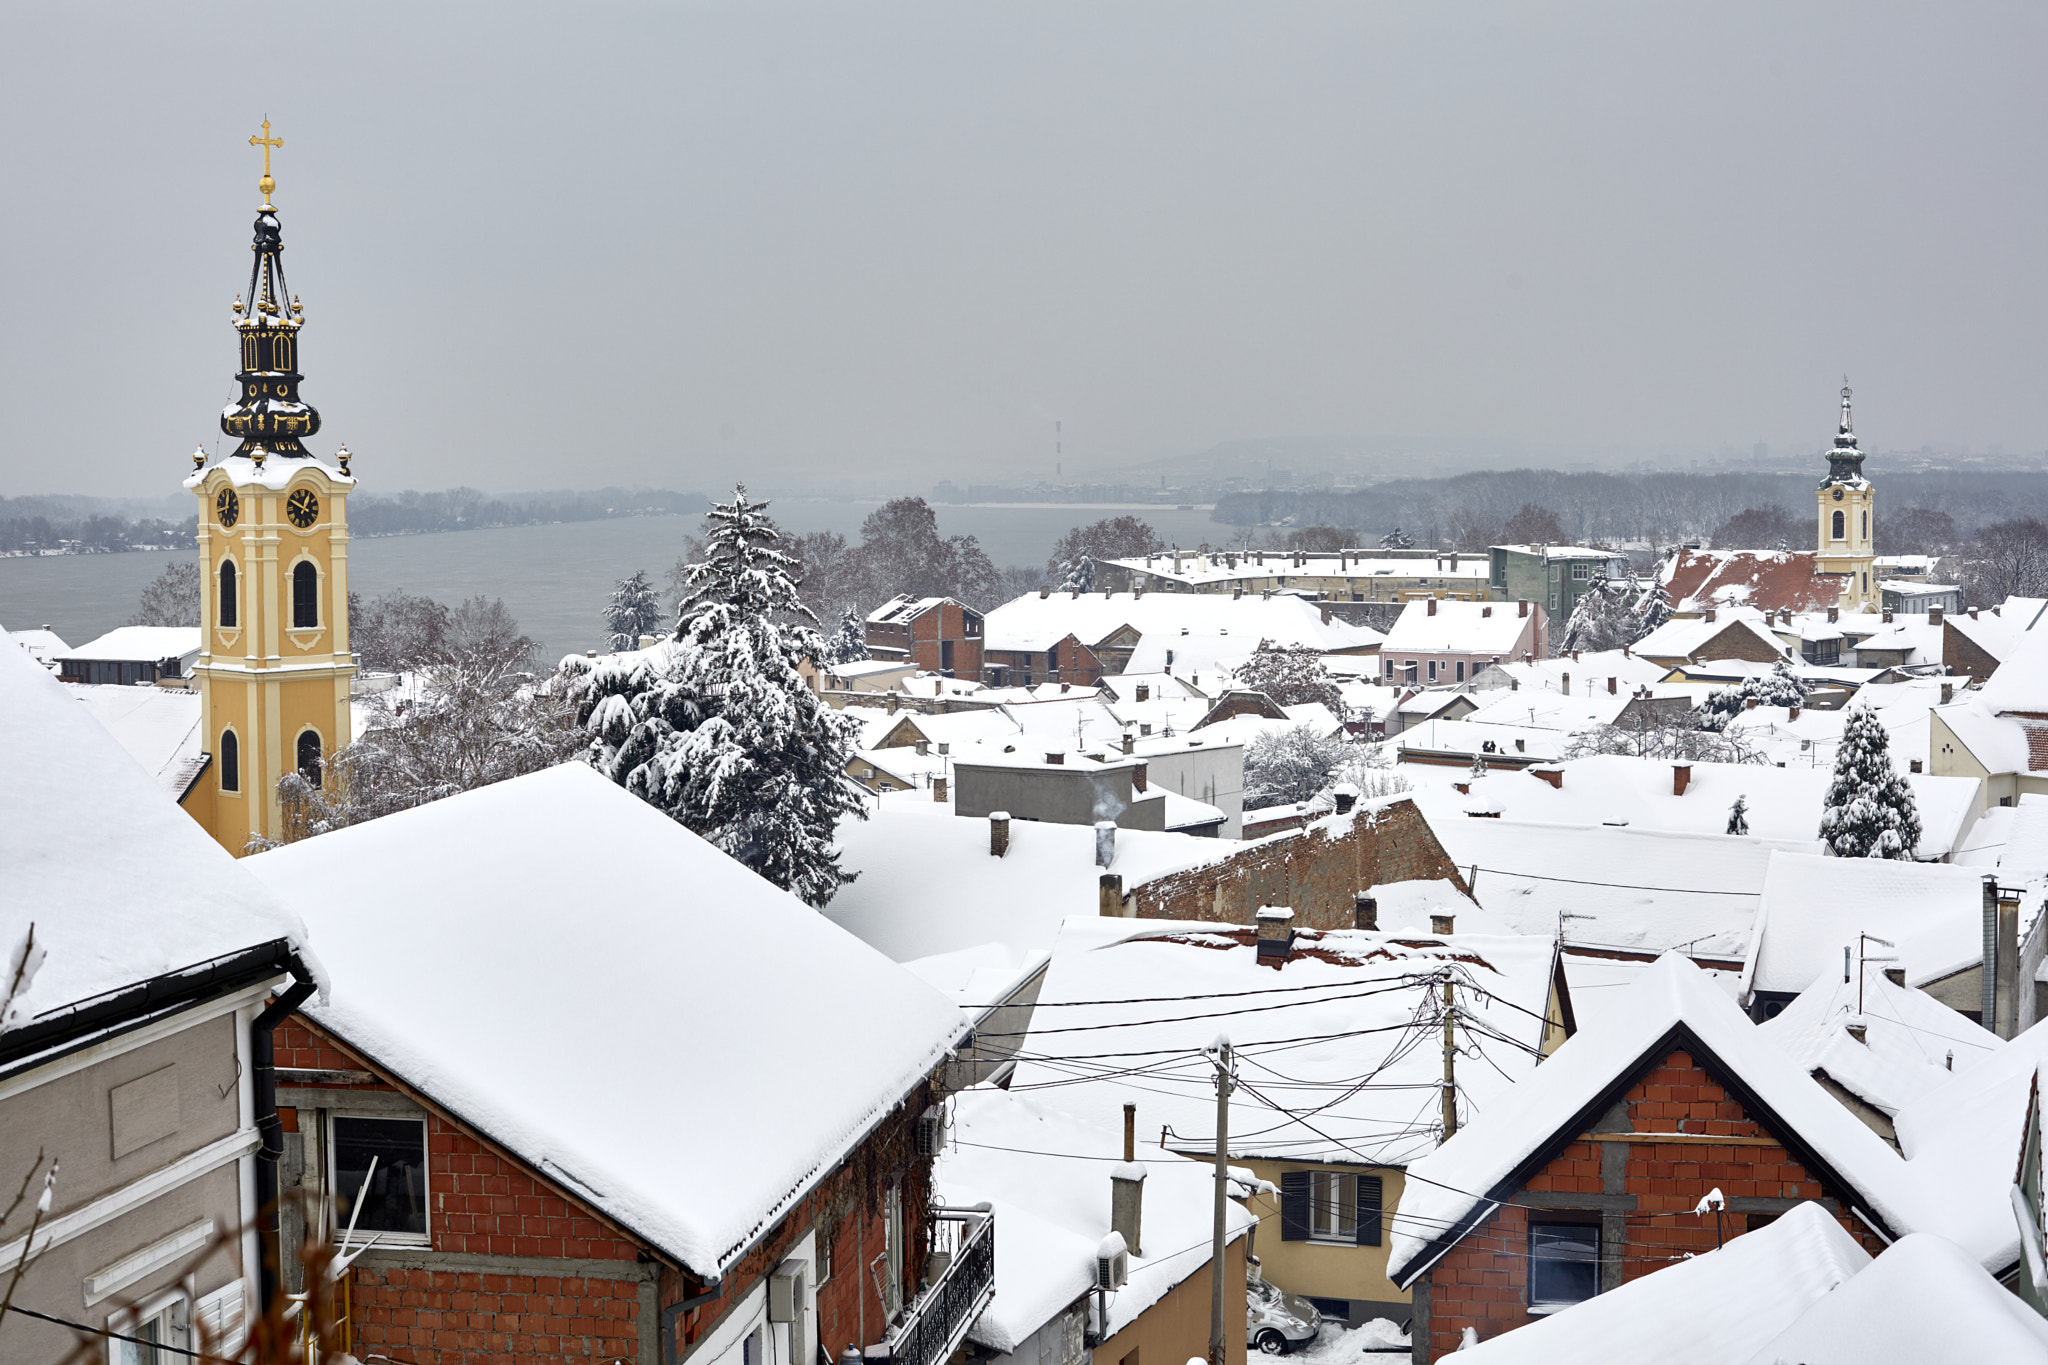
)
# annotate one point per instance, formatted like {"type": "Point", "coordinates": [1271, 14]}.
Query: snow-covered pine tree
{"type": "Point", "coordinates": [849, 643]}
{"type": "Point", "coordinates": [1079, 574]}
{"type": "Point", "coordinates": [1397, 539]}
{"type": "Point", "coordinates": [1776, 688]}
{"type": "Point", "coordinates": [633, 611]}
{"type": "Point", "coordinates": [1869, 810]}
{"type": "Point", "coordinates": [1652, 609]}
{"type": "Point", "coordinates": [1738, 816]}
{"type": "Point", "coordinates": [1602, 618]}
{"type": "Point", "coordinates": [720, 730]}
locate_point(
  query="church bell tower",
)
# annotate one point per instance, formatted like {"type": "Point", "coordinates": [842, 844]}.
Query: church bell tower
{"type": "Point", "coordinates": [1847, 504]}
{"type": "Point", "coordinates": [274, 665]}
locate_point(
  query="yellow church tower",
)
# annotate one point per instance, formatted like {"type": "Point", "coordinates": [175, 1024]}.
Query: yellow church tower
{"type": "Point", "coordinates": [1847, 503]}
{"type": "Point", "coordinates": [274, 665]}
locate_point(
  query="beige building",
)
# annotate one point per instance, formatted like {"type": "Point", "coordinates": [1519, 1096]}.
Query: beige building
{"type": "Point", "coordinates": [1843, 533]}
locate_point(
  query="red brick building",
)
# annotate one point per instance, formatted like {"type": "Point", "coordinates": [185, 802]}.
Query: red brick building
{"type": "Point", "coordinates": [1028, 660]}
{"type": "Point", "coordinates": [936, 634]}
{"type": "Point", "coordinates": [608, 1127]}
{"type": "Point", "coordinates": [1589, 1176]}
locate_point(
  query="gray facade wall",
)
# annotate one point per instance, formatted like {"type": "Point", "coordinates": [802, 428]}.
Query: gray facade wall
{"type": "Point", "coordinates": [1058, 794]}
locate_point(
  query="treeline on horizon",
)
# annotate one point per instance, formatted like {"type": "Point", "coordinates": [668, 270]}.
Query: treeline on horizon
{"type": "Point", "coordinates": [1654, 508]}
{"type": "Point", "coordinates": [64, 523]}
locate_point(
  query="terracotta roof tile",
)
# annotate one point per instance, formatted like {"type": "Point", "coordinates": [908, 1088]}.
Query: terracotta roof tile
{"type": "Point", "coordinates": [1772, 580]}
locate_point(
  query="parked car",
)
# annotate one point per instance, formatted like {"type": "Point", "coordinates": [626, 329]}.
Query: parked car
{"type": "Point", "coordinates": [1275, 1320]}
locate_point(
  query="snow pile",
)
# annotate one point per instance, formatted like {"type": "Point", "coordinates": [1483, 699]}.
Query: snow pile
{"type": "Point", "coordinates": [1342, 1345]}
{"type": "Point", "coordinates": [582, 1022]}
{"type": "Point", "coordinates": [120, 884]}
{"type": "Point", "coordinates": [1710, 1310]}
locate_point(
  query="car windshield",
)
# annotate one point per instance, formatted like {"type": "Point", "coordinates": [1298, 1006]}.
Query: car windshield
{"type": "Point", "coordinates": [1261, 1291]}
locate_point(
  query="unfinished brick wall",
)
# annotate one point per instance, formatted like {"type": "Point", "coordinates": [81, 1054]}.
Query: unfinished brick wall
{"type": "Point", "coordinates": [1319, 871]}
{"type": "Point", "coordinates": [455, 1318]}
{"type": "Point", "coordinates": [1737, 641]}
{"type": "Point", "coordinates": [1964, 656]}
{"type": "Point", "coordinates": [1644, 1193]}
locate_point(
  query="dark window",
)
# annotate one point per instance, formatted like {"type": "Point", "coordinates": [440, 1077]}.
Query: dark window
{"type": "Point", "coordinates": [305, 596]}
{"type": "Point", "coordinates": [309, 757]}
{"type": "Point", "coordinates": [395, 1199]}
{"type": "Point", "coordinates": [230, 762]}
{"type": "Point", "coordinates": [1564, 1262]}
{"type": "Point", "coordinates": [946, 656]}
{"type": "Point", "coordinates": [227, 594]}
{"type": "Point", "coordinates": [1052, 659]}
{"type": "Point", "coordinates": [1840, 523]}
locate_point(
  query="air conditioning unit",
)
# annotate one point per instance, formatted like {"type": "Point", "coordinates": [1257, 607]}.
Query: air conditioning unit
{"type": "Point", "coordinates": [1112, 1263]}
{"type": "Point", "coordinates": [931, 1131]}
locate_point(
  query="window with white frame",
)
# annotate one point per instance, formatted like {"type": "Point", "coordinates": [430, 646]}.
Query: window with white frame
{"type": "Point", "coordinates": [156, 1332]}
{"type": "Point", "coordinates": [1332, 1206]}
{"type": "Point", "coordinates": [380, 1177]}
{"type": "Point", "coordinates": [1581, 572]}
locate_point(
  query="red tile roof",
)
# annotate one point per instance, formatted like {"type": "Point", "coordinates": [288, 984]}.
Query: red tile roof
{"type": "Point", "coordinates": [1773, 580]}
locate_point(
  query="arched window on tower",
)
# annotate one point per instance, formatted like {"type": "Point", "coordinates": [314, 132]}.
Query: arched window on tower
{"type": "Point", "coordinates": [1841, 527]}
{"type": "Point", "coordinates": [230, 762]}
{"type": "Point", "coordinates": [309, 757]}
{"type": "Point", "coordinates": [1866, 524]}
{"type": "Point", "coordinates": [306, 593]}
{"type": "Point", "coordinates": [227, 616]}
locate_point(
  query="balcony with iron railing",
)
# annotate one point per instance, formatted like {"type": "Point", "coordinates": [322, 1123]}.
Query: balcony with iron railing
{"type": "Point", "coordinates": [962, 1280]}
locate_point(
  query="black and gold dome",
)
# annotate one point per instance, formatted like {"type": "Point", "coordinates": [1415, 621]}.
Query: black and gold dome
{"type": "Point", "coordinates": [268, 417]}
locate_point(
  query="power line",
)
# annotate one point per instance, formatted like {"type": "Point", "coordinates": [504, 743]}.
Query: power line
{"type": "Point", "coordinates": [1618, 886]}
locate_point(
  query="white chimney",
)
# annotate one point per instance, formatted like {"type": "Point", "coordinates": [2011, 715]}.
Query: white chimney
{"type": "Point", "coordinates": [1105, 842]}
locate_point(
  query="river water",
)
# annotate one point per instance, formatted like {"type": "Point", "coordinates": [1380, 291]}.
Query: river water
{"type": "Point", "coordinates": [554, 578]}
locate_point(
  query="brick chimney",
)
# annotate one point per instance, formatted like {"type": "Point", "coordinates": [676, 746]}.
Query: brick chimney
{"type": "Point", "coordinates": [1105, 842]}
{"type": "Point", "coordinates": [1485, 612]}
{"type": "Point", "coordinates": [1973, 613]}
{"type": "Point", "coordinates": [1547, 772]}
{"type": "Point", "coordinates": [1430, 610]}
{"type": "Point", "coordinates": [1681, 778]}
{"type": "Point", "coordinates": [1110, 896]}
{"type": "Point", "coordinates": [1834, 615]}
{"type": "Point", "coordinates": [1056, 760]}
{"type": "Point", "coordinates": [1139, 778]}
{"type": "Point", "coordinates": [1443, 924]}
{"type": "Point", "coordinates": [1044, 593]}
{"type": "Point", "coordinates": [1887, 615]}
{"type": "Point", "coordinates": [1521, 606]}
{"type": "Point", "coordinates": [1130, 742]}
{"type": "Point", "coordinates": [1934, 616]}
{"type": "Point", "coordinates": [1365, 912]}
{"type": "Point", "coordinates": [1948, 693]}
{"type": "Point", "coordinates": [1708, 614]}
{"type": "Point", "coordinates": [893, 703]}
{"type": "Point", "coordinates": [998, 833]}
{"type": "Point", "coordinates": [939, 789]}
{"type": "Point", "coordinates": [1326, 613]}
{"type": "Point", "coordinates": [1454, 561]}
{"type": "Point", "coordinates": [1346, 796]}
{"type": "Point", "coordinates": [1613, 684]}
{"type": "Point", "coordinates": [1793, 711]}
{"type": "Point", "coordinates": [1275, 935]}
{"type": "Point", "coordinates": [923, 747]}
{"type": "Point", "coordinates": [1566, 689]}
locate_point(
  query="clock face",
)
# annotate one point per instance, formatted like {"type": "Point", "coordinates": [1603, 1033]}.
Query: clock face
{"type": "Point", "coordinates": [1838, 495]}
{"type": "Point", "coordinates": [228, 507]}
{"type": "Point", "coordinates": [303, 508]}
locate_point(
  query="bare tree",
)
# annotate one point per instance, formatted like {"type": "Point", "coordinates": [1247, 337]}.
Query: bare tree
{"type": "Point", "coordinates": [171, 598]}
{"type": "Point", "coordinates": [1124, 537]}
{"type": "Point", "coordinates": [1533, 525]}
{"type": "Point", "coordinates": [1763, 528]}
{"type": "Point", "coordinates": [2009, 559]}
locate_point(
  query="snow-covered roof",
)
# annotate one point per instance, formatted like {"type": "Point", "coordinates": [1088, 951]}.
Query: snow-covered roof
{"type": "Point", "coordinates": [1813, 905]}
{"type": "Point", "coordinates": [1123, 992]}
{"type": "Point", "coordinates": [1684, 637]}
{"type": "Point", "coordinates": [143, 644]}
{"type": "Point", "coordinates": [1911, 1042]}
{"type": "Point", "coordinates": [870, 668]}
{"type": "Point", "coordinates": [1614, 789]}
{"type": "Point", "coordinates": [1622, 888]}
{"type": "Point", "coordinates": [1033, 622]}
{"type": "Point", "coordinates": [273, 474]}
{"type": "Point", "coordinates": [1468, 739]}
{"type": "Point", "coordinates": [43, 645]}
{"type": "Point", "coordinates": [2003, 744]}
{"type": "Point", "coordinates": [904, 607]}
{"type": "Point", "coordinates": [1590, 670]}
{"type": "Point", "coordinates": [1775, 580]}
{"type": "Point", "coordinates": [1028, 1155]}
{"type": "Point", "coordinates": [1712, 1309]}
{"type": "Point", "coordinates": [540, 1001]}
{"type": "Point", "coordinates": [1922, 1300]}
{"type": "Point", "coordinates": [1452, 1189]}
{"type": "Point", "coordinates": [121, 885]}
{"type": "Point", "coordinates": [1184, 812]}
{"type": "Point", "coordinates": [1454, 627]}
{"type": "Point", "coordinates": [158, 726]}
{"type": "Point", "coordinates": [928, 884]}
{"type": "Point", "coordinates": [1212, 567]}
{"type": "Point", "coordinates": [1557, 552]}
{"type": "Point", "coordinates": [2021, 682]}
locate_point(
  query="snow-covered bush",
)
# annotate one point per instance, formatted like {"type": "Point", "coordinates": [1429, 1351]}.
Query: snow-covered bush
{"type": "Point", "coordinates": [849, 643]}
{"type": "Point", "coordinates": [1292, 675]}
{"type": "Point", "coordinates": [1775, 688]}
{"type": "Point", "coordinates": [720, 729]}
{"type": "Point", "coordinates": [1869, 810]}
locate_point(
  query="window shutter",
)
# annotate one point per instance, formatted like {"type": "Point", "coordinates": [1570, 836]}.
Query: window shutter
{"type": "Point", "coordinates": [1294, 1206]}
{"type": "Point", "coordinates": [1368, 1210]}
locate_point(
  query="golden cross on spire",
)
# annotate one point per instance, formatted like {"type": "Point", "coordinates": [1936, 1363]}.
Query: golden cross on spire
{"type": "Point", "coordinates": [266, 142]}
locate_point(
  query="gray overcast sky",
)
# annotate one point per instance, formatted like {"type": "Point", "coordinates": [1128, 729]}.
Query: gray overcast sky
{"type": "Point", "coordinates": [550, 246]}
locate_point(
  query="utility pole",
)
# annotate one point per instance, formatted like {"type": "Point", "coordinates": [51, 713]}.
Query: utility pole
{"type": "Point", "coordinates": [1450, 1061]}
{"type": "Point", "coordinates": [1223, 1089]}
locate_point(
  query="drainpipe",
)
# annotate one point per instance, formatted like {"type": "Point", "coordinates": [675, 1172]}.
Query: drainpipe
{"type": "Point", "coordinates": [263, 1058]}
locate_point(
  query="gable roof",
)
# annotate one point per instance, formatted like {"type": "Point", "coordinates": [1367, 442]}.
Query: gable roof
{"type": "Point", "coordinates": [1459, 628]}
{"type": "Point", "coordinates": [133, 644]}
{"type": "Point", "coordinates": [624, 1041]}
{"type": "Point", "coordinates": [158, 726]}
{"type": "Point", "coordinates": [1812, 905]}
{"type": "Point", "coordinates": [1695, 638]}
{"type": "Point", "coordinates": [123, 888]}
{"type": "Point", "coordinates": [1773, 580]}
{"type": "Point", "coordinates": [2021, 682]}
{"type": "Point", "coordinates": [1911, 1043]}
{"type": "Point", "coordinates": [1670, 1007]}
